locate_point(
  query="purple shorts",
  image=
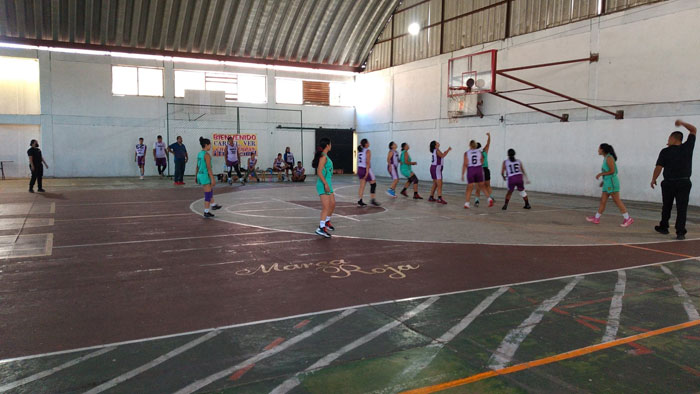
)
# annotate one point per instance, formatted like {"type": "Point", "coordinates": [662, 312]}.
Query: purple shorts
{"type": "Point", "coordinates": [161, 161]}
{"type": "Point", "coordinates": [475, 174]}
{"type": "Point", "coordinates": [436, 172]}
{"type": "Point", "coordinates": [231, 163]}
{"type": "Point", "coordinates": [393, 172]}
{"type": "Point", "coordinates": [516, 181]}
{"type": "Point", "coordinates": [361, 171]}
{"type": "Point", "coordinates": [141, 160]}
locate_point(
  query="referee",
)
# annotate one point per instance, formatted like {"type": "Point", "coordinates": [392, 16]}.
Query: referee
{"type": "Point", "coordinates": [676, 161]}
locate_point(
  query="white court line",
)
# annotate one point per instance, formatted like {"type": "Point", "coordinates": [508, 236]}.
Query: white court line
{"type": "Point", "coordinates": [434, 348]}
{"type": "Point", "coordinates": [615, 308]}
{"type": "Point", "coordinates": [157, 361]}
{"type": "Point", "coordinates": [261, 356]}
{"type": "Point", "coordinates": [341, 309]}
{"type": "Point", "coordinates": [121, 203]}
{"type": "Point", "coordinates": [687, 302]}
{"type": "Point", "coordinates": [163, 215]}
{"type": "Point", "coordinates": [294, 381]}
{"type": "Point", "coordinates": [43, 374]}
{"type": "Point", "coordinates": [159, 240]}
{"type": "Point", "coordinates": [510, 344]}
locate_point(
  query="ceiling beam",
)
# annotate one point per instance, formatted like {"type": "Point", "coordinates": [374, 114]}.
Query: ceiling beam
{"type": "Point", "coordinates": [87, 32]}
{"type": "Point", "coordinates": [121, 18]}
{"type": "Point", "coordinates": [38, 20]}
{"type": "Point", "coordinates": [55, 19]}
{"type": "Point", "coordinates": [104, 22]}
{"type": "Point", "coordinates": [226, 15]}
{"type": "Point", "coordinates": [150, 27]}
{"type": "Point", "coordinates": [209, 25]}
{"type": "Point", "coordinates": [194, 24]}
{"type": "Point", "coordinates": [242, 11]}
{"type": "Point", "coordinates": [167, 16]}
{"type": "Point", "coordinates": [179, 27]}
{"type": "Point", "coordinates": [135, 23]}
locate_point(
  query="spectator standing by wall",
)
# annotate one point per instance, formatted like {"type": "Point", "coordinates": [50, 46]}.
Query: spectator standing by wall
{"type": "Point", "coordinates": [179, 152]}
{"type": "Point", "coordinates": [36, 163]}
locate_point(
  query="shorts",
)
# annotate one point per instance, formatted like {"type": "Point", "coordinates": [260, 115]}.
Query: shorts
{"type": "Point", "coordinates": [141, 160]}
{"type": "Point", "coordinates": [161, 161]}
{"type": "Point", "coordinates": [321, 190]}
{"type": "Point", "coordinates": [436, 172]}
{"type": "Point", "coordinates": [475, 174]}
{"type": "Point", "coordinates": [203, 179]}
{"type": "Point", "coordinates": [611, 184]}
{"type": "Point", "coordinates": [393, 172]}
{"type": "Point", "coordinates": [231, 163]}
{"type": "Point", "coordinates": [487, 174]}
{"type": "Point", "coordinates": [516, 181]}
{"type": "Point", "coordinates": [361, 171]}
{"type": "Point", "coordinates": [406, 172]}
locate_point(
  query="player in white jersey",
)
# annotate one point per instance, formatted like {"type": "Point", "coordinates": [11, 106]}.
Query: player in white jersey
{"type": "Point", "coordinates": [513, 171]}
{"type": "Point", "coordinates": [436, 165]}
{"type": "Point", "coordinates": [278, 166]}
{"type": "Point", "coordinates": [473, 160]}
{"type": "Point", "coordinates": [364, 172]}
{"type": "Point", "coordinates": [160, 154]}
{"type": "Point", "coordinates": [140, 156]}
{"type": "Point", "coordinates": [233, 160]}
{"type": "Point", "coordinates": [252, 162]}
{"type": "Point", "coordinates": [392, 162]}
{"type": "Point", "coordinates": [289, 162]}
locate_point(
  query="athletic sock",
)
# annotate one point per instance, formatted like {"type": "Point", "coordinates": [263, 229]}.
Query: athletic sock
{"type": "Point", "coordinates": [206, 210]}
{"type": "Point", "coordinates": [626, 215]}
{"type": "Point", "coordinates": [490, 199]}
{"type": "Point", "coordinates": [328, 218]}
{"type": "Point", "coordinates": [323, 224]}
{"type": "Point", "coordinates": [403, 190]}
{"type": "Point", "coordinates": [597, 215]}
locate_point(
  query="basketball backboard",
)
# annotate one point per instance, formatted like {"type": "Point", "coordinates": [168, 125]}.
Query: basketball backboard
{"type": "Point", "coordinates": [472, 74]}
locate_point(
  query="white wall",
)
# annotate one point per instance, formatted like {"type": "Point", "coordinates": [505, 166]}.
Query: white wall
{"type": "Point", "coordinates": [648, 68]}
{"type": "Point", "coordinates": [86, 131]}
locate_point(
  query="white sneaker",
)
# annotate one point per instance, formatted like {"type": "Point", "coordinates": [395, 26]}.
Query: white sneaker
{"type": "Point", "coordinates": [466, 205]}
{"type": "Point", "coordinates": [141, 176]}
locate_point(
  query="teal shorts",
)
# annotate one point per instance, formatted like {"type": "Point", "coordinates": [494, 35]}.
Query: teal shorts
{"type": "Point", "coordinates": [321, 189]}
{"type": "Point", "coordinates": [611, 184]}
{"type": "Point", "coordinates": [203, 179]}
{"type": "Point", "coordinates": [406, 172]}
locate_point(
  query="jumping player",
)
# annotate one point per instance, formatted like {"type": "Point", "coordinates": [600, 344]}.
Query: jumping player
{"type": "Point", "coordinates": [436, 171]}
{"type": "Point", "coordinates": [406, 171]}
{"type": "Point", "coordinates": [233, 160]}
{"type": "Point", "coordinates": [140, 156]}
{"type": "Point", "coordinates": [205, 177]}
{"type": "Point", "coordinates": [611, 186]}
{"type": "Point", "coordinates": [513, 171]}
{"type": "Point", "coordinates": [392, 161]}
{"type": "Point", "coordinates": [160, 154]}
{"type": "Point", "coordinates": [475, 172]}
{"type": "Point", "coordinates": [324, 186]}
{"type": "Point", "coordinates": [487, 172]}
{"type": "Point", "coordinates": [364, 172]}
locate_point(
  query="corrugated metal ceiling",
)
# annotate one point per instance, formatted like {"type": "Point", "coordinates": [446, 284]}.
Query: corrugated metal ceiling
{"type": "Point", "coordinates": [334, 34]}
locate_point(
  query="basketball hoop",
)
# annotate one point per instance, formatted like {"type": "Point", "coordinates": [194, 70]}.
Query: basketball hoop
{"type": "Point", "coordinates": [456, 101]}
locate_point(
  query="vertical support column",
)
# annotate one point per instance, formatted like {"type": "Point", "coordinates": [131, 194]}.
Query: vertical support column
{"type": "Point", "coordinates": [442, 26]}
{"type": "Point", "coordinates": [46, 110]}
{"type": "Point", "coordinates": [167, 135]}
{"type": "Point", "coordinates": [508, 18]}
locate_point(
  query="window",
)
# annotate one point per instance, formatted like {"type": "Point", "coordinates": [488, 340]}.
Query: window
{"type": "Point", "coordinates": [137, 81]}
{"type": "Point", "coordinates": [316, 92]}
{"type": "Point", "coordinates": [288, 91]}
{"type": "Point", "coordinates": [342, 94]}
{"type": "Point", "coordinates": [19, 86]}
{"type": "Point", "coordinates": [247, 88]}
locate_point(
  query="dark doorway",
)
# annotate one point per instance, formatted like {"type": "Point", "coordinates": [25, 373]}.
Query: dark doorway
{"type": "Point", "coordinates": [342, 149]}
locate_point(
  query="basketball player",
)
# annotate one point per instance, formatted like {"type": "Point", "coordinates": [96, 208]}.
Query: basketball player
{"type": "Point", "coordinates": [160, 154]}
{"type": "Point", "coordinates": [278, 166]}
{"type": "Point", "coordinates": [289, 161]}
{"type": "Point", "coordinates": [205, 177]}
{"type": "Point", "coordinates": [233, 159]}
{"type": "Point", "coordinates": [406, 171]}
{"type": "Point", "coordinates": [299, 173]}
{"type": "Point", "coordinates": [392, 161]}
{"type": "Point", "coordinates": [364, 172]}
{"type": "Point", "coordinates": [611, 186]}
{"type": "Point", "coordinates": [513, 170]}
{"type": "Point", "coordinates": [140, 156]}
{"type": "Point", "coordinates": [252, 161]}
{"type": "Point", "coordinates": [324, 186]}
{"type": "Point", "coordinates": [436, 171]}
{"type": "Point", "coordinates": [487, 172]}
{"type": "Point", "coordinates": [473, 160]}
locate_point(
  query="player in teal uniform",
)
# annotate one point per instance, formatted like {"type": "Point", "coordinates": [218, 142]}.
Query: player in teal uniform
{"type": "Point", "coordinates": [205, 177]}
{"type": "Point", "coordinates": [611, 186]}
{"type": "Point", "coordinates": [406, 170]}
{"type": "Point", "coordinates": [324, 186]}
{"type": "Point", "coordinates": [487, 173]}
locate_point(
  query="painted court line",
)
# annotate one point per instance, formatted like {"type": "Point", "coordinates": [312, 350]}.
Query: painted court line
{"type": "Point", "coordinates": [261, 356]}
{"type": "Point", "coordinates": [321, 312]}
{"type": "Point", "coordinates": [687, 302]}
{"type": "Point", "coordinates": [145, 367]}
{"type": "Point", "coordinates": [323, 362]}
{"type": "Point", "coordinates": [506, 350]}
{"type": "Point", "coordinates": [43, 374]}
{"type": "Point", "coordinates": [549, 360]}
{"type": "Point", "coordinates": [615, 307]}
{"type": "Point", "coordinates": [140, 241]}
{"type": "Point", "coordinates": [125, 217]}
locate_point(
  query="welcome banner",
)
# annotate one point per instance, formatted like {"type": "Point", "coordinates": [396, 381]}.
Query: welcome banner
{"type": "Point", "coordinates": [247, 144]}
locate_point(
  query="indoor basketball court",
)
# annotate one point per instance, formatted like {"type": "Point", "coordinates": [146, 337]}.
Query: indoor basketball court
{"type": "Point", "coordinates": [128, 271]}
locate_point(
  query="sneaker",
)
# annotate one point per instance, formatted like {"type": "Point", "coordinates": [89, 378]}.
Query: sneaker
{"type": "Point", "coordinates": [680, 237]}
{"type": "Point", "coordinates": [230, 181]}
{"type": "Point", "coordinates": [527, 206]}
{"type": "Point", "coordinates": [627, 222]}
{"type": "Point", "coordinates": [375, 203]}
{"type": "Point", "coordinates": [661, 230]}
{"type": "Point", "coordinates": [329, 226]}
{"type": "Point", "coordinates": [476, 204]}
{"type": "Point", "coordinates": [176, 183]}
{"type": "Point", "coordinates": [391, 192]}
{"type": "Point", "coordinates": [141, 177]}
{"type": "Point", "coordinates": [593, 219]}
{"type": "Point", "coordinates": [466, 205]}
{"type": "Point", "coordinates": [441, 201]}
{"type": "Point", "coordinates": [432, 199]}
{"type": "Point", "coordinates": [208, 215]}
{"type": "Point", "coordinates": [41, 191]}
{"type": "Point", "coordinates": [417, 197]}
{"type": "Point", "coordinates": [361, 203]}
{"type": "Point", "coordinates": [31, 191]}
{"type": "Point", "coordinates": [491, 201]}
{"type": "Point", "coordinates": [215, 207]}
{"type": "Point", "coordinates": [403, 193]}
{"type": "Point", "coordinates": [322, 232]}
{"type": "Point", "coordinates": [505, 206]}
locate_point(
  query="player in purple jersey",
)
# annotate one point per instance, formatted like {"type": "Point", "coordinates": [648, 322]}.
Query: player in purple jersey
{"type": "Point", "coordinates": [140, 156]}
{"type": "Point", "coordinates": [473, 159]}
{"type": "Point", "coordinates": [392, 161]}
{"type": "Point", "coordinates": [487, 172]}
{"type": "Point", "coordinates": [436, 171]}
{"type": "Point", "coordinates": [513, 171]}
{"type": "Point", "coordinates": [364, 172]}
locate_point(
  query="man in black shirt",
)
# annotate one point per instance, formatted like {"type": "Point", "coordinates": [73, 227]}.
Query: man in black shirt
{"type": "Point", "coordinates": [36, 164]}
{"type": "Point", "coordinates": [676, 161]}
